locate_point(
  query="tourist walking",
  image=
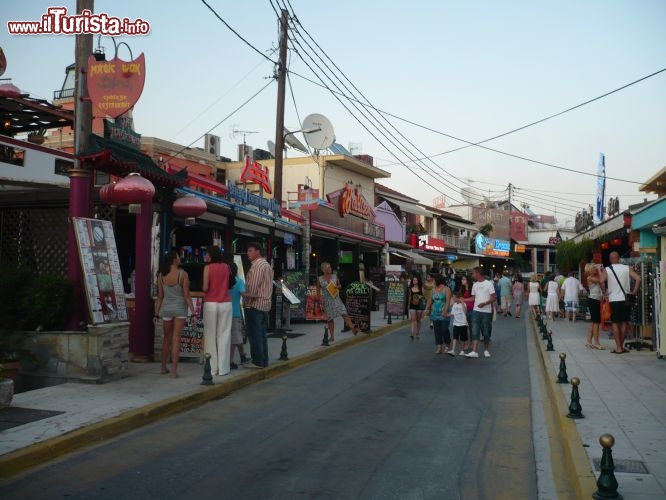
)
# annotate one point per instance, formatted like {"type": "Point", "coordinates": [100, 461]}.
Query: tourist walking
{"type": "Point", "coordinates": [237, 321]}
{"type": "Point", "coordinates": [484, 298]}
{"type": "Point", "coordinates": [534, 297]}
{"type": "Point", "coordinates": [257, 299]}
{"type": "Point", "coordinates": [504, 284]}
{"type": "Point", "coordinates": [518, 293]}
{"type": "Point", "coordinates": [595, 283]}
{"type": "Point", "coordinates": [173, 302]}
{"type": "Point", "coordinates": [618, 287]}
{"type": "Point", "coordinates": [417, 305]}
{"type": "Point", "coordinates": [460, 325]}
{"type": "Point", "coordinates": [328, 286]}
{"type": "Point", "coordinates": [217, 311]}
{"type": "Point", "coordinates": [437, 307]}
{"type": "Point", "coordinates": [428, 287]}
{"type": "Point", "coordinates": [552, 298]}
{"type": "Point", "coordinates": [570, 289]}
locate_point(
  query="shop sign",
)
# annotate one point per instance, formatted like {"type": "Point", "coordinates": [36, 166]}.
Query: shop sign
{"type": "Point", "coordinates": [452, 257]}
{"type": "Point", "coordinates": [490, 246]}
{"type": "Point", "coordinates": [115, 86]}
{"type": "Point", "coordinates": [308, 198]}
{"type": "Point", "coordinates": [427, 242]}
{"type": "Point", "coordinates": [244, 196]}
{"type": "Point", "coordinates": [554, 240]}
{"type": "Point", "coordinates": [288, 239]}
{"type": "Point", "coordinates": [122, 130]}
{"type": "Point", "coordinates": [352, 201]}
{"type": "Point", "coordinates": [519, 248]}
{"type": "Point", "coordinates": [253, 171]}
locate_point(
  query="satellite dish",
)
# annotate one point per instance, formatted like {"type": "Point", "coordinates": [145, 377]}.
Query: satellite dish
{"type": "Point", "coordinates": [271, 147]}
{"type": "Point", "coordinates": [321, 134]}
{"type": "Point", "coordinates": [292, 141]}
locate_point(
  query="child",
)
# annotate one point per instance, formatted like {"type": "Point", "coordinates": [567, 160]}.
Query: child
{"type": "Point", "coordinates": [459, 313]}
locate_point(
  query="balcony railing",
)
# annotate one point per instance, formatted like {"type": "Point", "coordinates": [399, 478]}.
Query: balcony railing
{"type": "Point", "coordinates": [63, 94]}
{"type": "Point", "coordinates": [453, 241]}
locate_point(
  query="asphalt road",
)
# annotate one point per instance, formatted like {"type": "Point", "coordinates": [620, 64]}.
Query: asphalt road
{"type": "Point", "coordinates": [385, 419]}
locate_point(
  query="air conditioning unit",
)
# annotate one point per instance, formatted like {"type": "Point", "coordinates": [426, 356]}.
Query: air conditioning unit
{"type": "Point", "coordinates": [212, 144]}
{"type": "Point", "coordinates": [243, 151]}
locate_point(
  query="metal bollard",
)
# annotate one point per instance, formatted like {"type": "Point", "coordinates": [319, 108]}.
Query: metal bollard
{"type": "Point", "coordinates": [544, 332]}
{"type": "Point", "coordinates": [283, 353]}
{"type": "Point", "coordinates": [575, 409]}
{"type": "Point", "coordinates": [562, 377]}
{"type": "Point", "coordinates": [389, 322]}
{"type": "Point", "coordinates": [207, 374]}
{"type": "Point", "coordinates": [325, 341]}
{"type": "Point", "coordinates": [607, 484]}
{"type": "Point", "coordinates": [549, 344]}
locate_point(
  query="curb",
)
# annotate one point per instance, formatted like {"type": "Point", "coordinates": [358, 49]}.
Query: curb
{"type": "Point", "coordinates": [21, 460]}
{"type": "Point", "coordinates": [579, 472]}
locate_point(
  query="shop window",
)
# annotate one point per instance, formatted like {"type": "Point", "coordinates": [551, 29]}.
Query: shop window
{"type": "Point", "coordinates": [10, 154]}
{"type": "Point", "coordinates": [62, 167]}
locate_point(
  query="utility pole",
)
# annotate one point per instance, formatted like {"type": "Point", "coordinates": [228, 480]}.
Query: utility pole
{"type": "Point", "coordinates": [279, 120]}
{"type": "Point", "coordinates": [80, 182]}
{"type": "Point", "coordinates": [510, 210]}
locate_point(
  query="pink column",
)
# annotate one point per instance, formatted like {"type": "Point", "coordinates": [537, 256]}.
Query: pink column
{"type": "Point", "coordinates": [141, 346]}
{"type": "Point", "coordinates": [80, 205]}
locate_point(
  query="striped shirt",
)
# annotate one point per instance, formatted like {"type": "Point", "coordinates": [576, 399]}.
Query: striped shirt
{"type": "Point", "coordinates": [259, 283]}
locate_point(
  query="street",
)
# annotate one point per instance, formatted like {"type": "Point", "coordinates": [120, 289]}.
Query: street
{"type": "Point", "coordinates": [384, 419]}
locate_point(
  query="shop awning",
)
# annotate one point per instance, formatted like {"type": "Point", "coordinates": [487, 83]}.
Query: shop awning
{"type": "Point", "coordinates": [119, 159]}
{"type": "Point", "coordinates": [411, 208]}
{"type": "Point", "coordinates": [459, 225]}
{"type": "Point", "coordinates": [417, 258]}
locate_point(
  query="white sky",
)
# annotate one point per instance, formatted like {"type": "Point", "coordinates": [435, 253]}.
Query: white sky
{"type": "Point", "coordinates": [468, 69]}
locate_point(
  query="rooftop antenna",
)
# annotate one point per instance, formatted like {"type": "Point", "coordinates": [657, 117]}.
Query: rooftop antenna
{"type": "Point", "coordinates": [234, 132]}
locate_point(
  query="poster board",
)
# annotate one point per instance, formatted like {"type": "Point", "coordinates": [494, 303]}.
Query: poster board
{"type": "Point", "coordinates": [357, 301]}
{"type": "Point", "coordinates": [191, 340]}
{"type": "Point", "coordinates": [103, 280]}
{"type": "Point", "coordinates": [286, 292]}
{"type": "Point", "coordinates": [314, 305]}
{"type": "Point", "coordinates": [295, 281]}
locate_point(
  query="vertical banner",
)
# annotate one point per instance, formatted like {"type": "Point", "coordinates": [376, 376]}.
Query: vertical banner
{"type": "Point", "coordinates": [601, 188]}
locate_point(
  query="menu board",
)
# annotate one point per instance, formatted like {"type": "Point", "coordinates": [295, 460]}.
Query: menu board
{"type": "Point", "coordinates": [295, 281]}
{"type": "Point", "coordinates": [105, 293]}
{"type": "Point", "coordinates": [191, 340]}
{"type": "Point", "coordinates": [395, 298]}
{"type": "Point", "coordinates": [357, 301]}
{"type": "Point", "coordinates": [314, 304]}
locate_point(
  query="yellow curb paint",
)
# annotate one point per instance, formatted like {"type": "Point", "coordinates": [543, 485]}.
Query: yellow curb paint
{"type": "Point", "coordinates": [578, 471]}
{"type": "Point", "coordinates": [21, 460]}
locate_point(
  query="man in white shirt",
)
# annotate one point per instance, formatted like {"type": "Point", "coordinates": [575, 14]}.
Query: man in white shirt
{"type": "Point", "coordinates": [483, 294]}
{"type": "Point", "coordinates": [570, 288]}
{"type": "Point", "coordinates": [618, 286]}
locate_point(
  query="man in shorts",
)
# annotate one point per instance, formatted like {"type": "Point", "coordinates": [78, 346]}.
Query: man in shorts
{"type": "Point", "coordinates": [570, 289]}
{"type": "Point", "coordinates": [505, 294]}
{"type": "Point", "coordinates": [483, 295]}
{"type": "Point", "coordinates": [618, 286]}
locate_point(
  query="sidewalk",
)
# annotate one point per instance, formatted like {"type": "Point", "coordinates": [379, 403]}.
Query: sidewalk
{"type": "Point", "coordinates": [621, 394]}
{"type": "Point", "coordinates": [89, 413]}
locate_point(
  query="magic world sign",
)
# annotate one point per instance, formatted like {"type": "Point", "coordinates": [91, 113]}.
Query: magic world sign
{"type": "Point", "coordinates": [245, 197]}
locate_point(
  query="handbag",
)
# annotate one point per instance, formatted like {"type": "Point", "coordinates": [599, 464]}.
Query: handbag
{"type": "Point", "coordinates": [629, 298]}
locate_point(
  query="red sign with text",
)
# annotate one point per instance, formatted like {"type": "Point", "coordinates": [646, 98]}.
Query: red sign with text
{"type": "Point", "coordinates": [115, 86]}
{"type": "Point", "coordinates": [254, 171]}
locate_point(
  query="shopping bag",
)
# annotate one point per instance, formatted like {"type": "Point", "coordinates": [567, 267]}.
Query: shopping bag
{"type": "Point", "coordinates": [605, 314]}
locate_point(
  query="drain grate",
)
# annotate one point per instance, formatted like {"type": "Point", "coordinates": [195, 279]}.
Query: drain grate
{"type": "Point", "coordinates": [14, 416]}
{"type": "Point", "coordinates": [628, 466]}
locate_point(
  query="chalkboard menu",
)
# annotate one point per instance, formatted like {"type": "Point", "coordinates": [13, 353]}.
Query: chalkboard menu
{"type": "Point", "coordinates": [377, 278]}
{"type": "Point", "coordinates": [395, 298]}
{"type": "Point", "coordinates": [191, 340]}
{"type": "Point", "coordinates": [295, 281]}
{"type": "Point", "coordinates": [358, 305]}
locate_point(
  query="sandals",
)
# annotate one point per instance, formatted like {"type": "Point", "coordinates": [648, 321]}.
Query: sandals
{"type": "Point", "coordinates": [599, 346]}
{"type": "Point", "coordinates": [438, 350]}
{"type": "Point", "coordinates": [623, 351]}
{"type": "Point", "coordinates": [589, 346]}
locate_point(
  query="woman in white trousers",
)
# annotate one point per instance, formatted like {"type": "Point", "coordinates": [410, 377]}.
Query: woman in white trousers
{"type": "Point", "coordinates": [217, 312]}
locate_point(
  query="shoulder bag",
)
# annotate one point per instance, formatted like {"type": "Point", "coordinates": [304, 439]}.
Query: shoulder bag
{"type": "Point", "coordinates": [629, 298]}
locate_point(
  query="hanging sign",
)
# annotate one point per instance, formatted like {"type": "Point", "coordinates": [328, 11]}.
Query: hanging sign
{"type": "Point", "coordinates": [115, 86]}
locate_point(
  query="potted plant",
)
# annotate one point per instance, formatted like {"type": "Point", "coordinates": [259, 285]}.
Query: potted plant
{"type": "Point", "coordinates": [12, 351]}
{"type": "Point", "coordinates": [6, 389]}
{"type": "Point", "coordinates": [38, 136]}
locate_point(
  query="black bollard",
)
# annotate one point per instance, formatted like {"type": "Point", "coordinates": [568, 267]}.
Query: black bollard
{"type": "Point", "coordinates": [325, 341]}
{"type": "Point", "coordinates": [544, 332]}
{"type": "Point", "coordinates": [575, 409]}
{"type": "Point", "coordinates": [607, 484]}
{"type": "Point", "coordinates": [562, 377]}
{"type": "Point", "coordinates": [389, 322]}
{"type": "Point", "coordinates": [283, 353]}
{"type": "Point", "coordinates": [549, 345]}
{"type": "Point", "coordinates": [207, 374]}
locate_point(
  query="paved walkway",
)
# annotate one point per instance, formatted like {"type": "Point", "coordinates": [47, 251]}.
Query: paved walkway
{"type": "Point", "coordinates": [623, 395]}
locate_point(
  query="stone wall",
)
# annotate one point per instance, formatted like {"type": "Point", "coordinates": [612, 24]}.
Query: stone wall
{"type": "Point", "coordinates": [101, 353]}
